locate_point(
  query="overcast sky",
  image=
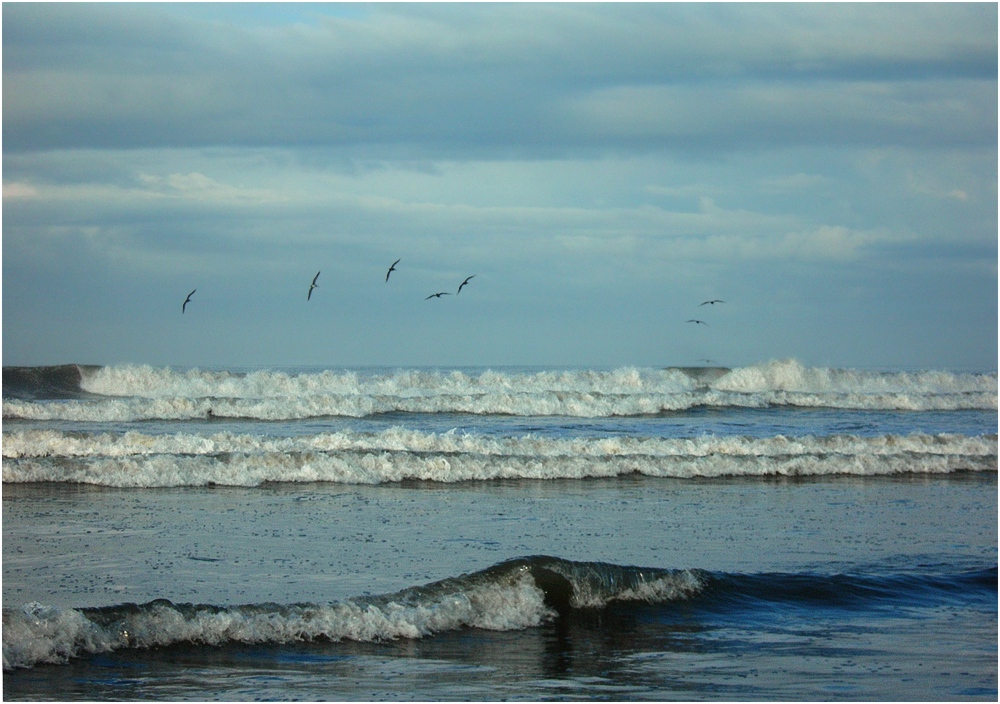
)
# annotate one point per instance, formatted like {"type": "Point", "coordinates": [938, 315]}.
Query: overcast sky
{"type": "Point", "coordinates": [829, 171]}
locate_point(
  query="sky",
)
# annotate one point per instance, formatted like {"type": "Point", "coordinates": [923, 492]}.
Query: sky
{"type": "Point", "coordinates": [829, 171]}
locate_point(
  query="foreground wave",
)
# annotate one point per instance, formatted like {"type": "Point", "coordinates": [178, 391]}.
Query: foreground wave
{"type": "Point", "coordinates": [134, 459]}
{"type": "Point", "coordinates": [517, 594]}
{"type": "Point", "coordinates": [136, 393]}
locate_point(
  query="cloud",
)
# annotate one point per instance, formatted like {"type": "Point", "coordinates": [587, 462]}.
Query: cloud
{"type": "Point", "coordinates": [493, 80]}
{"type": "Point", "coordinates": [174, 223]}
{"type": "Point", "coordinates": [19, 190]}
{"type": "Point", "coordinates": [930, 185]}
{"type": "Point", "coordinates": [793, 183]}
{"type": "Point", "coordinates": [594, 164]}
{"type": "Point", "coordinates": [691, 190]}
{"type": "Point", "coordinates": [828, 243]}
{"type": "Point", "coordinates": [199, 187]}
{"type": "Point", "coordinates": [751, 116]}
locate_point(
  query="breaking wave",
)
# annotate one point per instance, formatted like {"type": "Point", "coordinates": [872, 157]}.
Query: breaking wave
{"type": "Point", "coordinates": [55, 382]}
{"type": "Point", "coordinates": [136, 393]}
{"type": "Point", "coordinates": [514, 595]}
{"type": "Point", "coordinates": [517, 594]}
{"type": "Point", "coordinates": [134, 459]}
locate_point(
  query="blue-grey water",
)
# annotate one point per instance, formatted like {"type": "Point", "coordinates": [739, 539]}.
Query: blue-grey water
{"type": "Point", "coordinates": [772, 532]}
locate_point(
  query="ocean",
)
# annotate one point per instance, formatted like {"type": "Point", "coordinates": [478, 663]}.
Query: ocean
{"type": "Point", "coordinates": [770, 532]}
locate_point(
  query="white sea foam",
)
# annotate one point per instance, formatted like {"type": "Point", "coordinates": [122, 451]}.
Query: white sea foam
{"type": "Point", "coordinates": [37, 634]}
{"type": "Point", "coordinates": [792, 376]}
{"type": "Point", "coordinates": [507, 596]}
{"type": "Point", "coordinates": [132, 393]}
{"type": "Point", "coordinates": [150, 382]}
{"type": "Point", "coordinates": [138, 460]}
{"type": "Point", "coordinates": [57, 443]}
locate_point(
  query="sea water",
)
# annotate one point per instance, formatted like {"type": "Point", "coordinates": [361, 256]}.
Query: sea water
{"type": "Point", "coordinates": [769, 532]}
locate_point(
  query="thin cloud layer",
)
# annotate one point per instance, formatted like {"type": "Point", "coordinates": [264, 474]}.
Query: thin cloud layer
{"type": "Point", "coordinates": [482, 80]}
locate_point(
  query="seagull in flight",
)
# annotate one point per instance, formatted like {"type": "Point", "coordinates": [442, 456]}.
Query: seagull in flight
{"type": "Point", "coordinates": [712, 302]}
{"type": "Point", "coordinates": [312, 286]}
{"type": "Point", "coordinates": [697, 322]}
{"type": "Point", "coordinates": [186, 301]}
{"type": "Point", "coordinates": [437, 295]}
{"type": "Point", "coordinates": [464, 283]}
{"type": "Point", "coordinates": [391, 269]}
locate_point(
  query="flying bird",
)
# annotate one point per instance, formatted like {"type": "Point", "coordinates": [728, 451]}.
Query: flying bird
{"type": "Point", "coordinates": [712, 302]}
{"type": "Point", "coordinates": [437, 295]}
{"type": "Point", "coordinates": [697, 322]}
{"type": "Point", "coordinates": [186, 301]}
{"type": "Point", "coordinates": [391, 269]}
{"type": "Point", "coordinates": [312, 286]}
{"type": "Point", "coordinates": [464, 283]}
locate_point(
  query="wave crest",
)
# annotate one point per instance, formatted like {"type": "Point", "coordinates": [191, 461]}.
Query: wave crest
{"type": "Point", "coordinates": [518, 594]}
{"type": "Point", "coordinates": [397, 454]}
{"type": "Point", "coordinates": [129, 393]}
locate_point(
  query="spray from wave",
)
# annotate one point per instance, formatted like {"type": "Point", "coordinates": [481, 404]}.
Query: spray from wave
{"type": "Point", "coordinates": [135, 393]}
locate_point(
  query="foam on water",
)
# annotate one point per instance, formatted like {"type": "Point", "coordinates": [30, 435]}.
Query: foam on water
{"type": "Point", "coordinates": [57, 443]}
{"type": "Point", "coordinates": [134, 459]}
{"type": "Point", "coordinates": [792, 376]}
{"type": "Point", "coordinates": [149, 382]}
{"type": "Point", "coordinates": [136, 393]}
{"type": "Point", "coordinates": [518, 594]}
{"type": "Point", "coordinates": [513, 595]}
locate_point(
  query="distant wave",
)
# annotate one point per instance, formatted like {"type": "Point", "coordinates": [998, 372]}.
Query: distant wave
{"type": "Point", "coordinates": [135, 459]}
{"type": "Point", "coordinates": [513, 595]}
{"type": "Point", "coordinates": [54, 382]}
{"type": "Point", "coordinates": [136, 393]}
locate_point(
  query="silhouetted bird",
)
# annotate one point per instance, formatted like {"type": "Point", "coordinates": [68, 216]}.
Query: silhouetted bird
{"type": "Point", "coordinates": [312, 286]}
{"type": "Point", "coordinates": [699, 322]}
{"type": "Point", "coordinates": [712, 302]}
{"type": "Point", "coordinates": [391, 269]}
{"type": "Point", "coordinates": [437, 295]}
{"type": "Point", "coordinates": [186, 301]}
{"type": "Point", "coordinates": [464, 283]}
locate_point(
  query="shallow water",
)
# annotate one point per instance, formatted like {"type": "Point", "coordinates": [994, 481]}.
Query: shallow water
{"type": "Point", "coordinates": [774, 532]}
{"type": "Point", "coordinates": [319, 543]}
